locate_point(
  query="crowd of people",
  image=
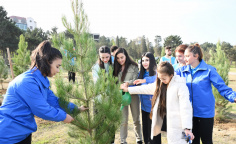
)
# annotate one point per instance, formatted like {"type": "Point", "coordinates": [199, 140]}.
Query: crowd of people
{"type": "Point", "coordinates": [175, 96]}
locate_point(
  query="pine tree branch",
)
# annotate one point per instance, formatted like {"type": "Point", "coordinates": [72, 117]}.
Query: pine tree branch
{"type": "Point", "coordinates": [74, 97]}
{"type": "Point", "coordinates": [80, 125]}
{"type": "Point", "coordinates": [104, 130]}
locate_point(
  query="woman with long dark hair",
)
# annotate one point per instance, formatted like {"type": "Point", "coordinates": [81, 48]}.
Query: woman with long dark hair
{"type": "Point", "coordinates": [127, 71]}
{"type": "Point", "coordinates": [147, 75]}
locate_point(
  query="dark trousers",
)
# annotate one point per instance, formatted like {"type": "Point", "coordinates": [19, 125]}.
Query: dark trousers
{"type": "Point", "coordinates": [147, 123]}
{"type": "Point", "coordinates": [203, 129]}
{"type": "Point", "coordinates": [71, 76]}
{"type": "Point", "coordinates": [26, 140]}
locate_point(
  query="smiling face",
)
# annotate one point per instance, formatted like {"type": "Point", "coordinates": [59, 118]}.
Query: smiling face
{"type": "Point", "coordinates": [180, 57]}
{"type": "Point", "coordinates": [164, 78]}
{"type": "Point", "coordinates": [55, 67]}
{"type": "Point", "coordinates": [145, 62]}
{"type": "Point", "coordinates": [105, 57]}
{"type": "Point", "coordinates": [189, 58]}
{"type": "Point", "coordinates": [121, 58]}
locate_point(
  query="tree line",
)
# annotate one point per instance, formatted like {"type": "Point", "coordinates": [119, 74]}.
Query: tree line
{"type": "Point", "coordinates": [9, 37]}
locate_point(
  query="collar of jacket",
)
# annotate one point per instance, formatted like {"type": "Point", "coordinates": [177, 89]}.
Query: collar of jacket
{"type": "Point", "coordinates": [177, 78]}
{"type": "Point", "coordinates": [203, 66]}
{"type": "Point", "coordinates": [44, 80]}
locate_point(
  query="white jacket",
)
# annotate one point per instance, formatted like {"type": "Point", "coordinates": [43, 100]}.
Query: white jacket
{"type": "Point", "coordinates": [179, 109]}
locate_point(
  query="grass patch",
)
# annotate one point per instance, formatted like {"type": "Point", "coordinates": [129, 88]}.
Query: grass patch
{"type": "Point", "coordinates": [232, 69]}
{"type": "Point", "coordinates": [233, 65]}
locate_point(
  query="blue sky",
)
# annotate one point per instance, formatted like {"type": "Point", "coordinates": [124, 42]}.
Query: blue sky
{"type": "Point", "coordinates": [193, 20]}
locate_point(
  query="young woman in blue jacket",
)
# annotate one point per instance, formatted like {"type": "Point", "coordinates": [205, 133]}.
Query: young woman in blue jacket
{"type": "Point", "coordinates": [147, 75]}
{"type": "Point", "coordinates": [199, 77]}
{"type": "Point", "coordinates": [29, 95]}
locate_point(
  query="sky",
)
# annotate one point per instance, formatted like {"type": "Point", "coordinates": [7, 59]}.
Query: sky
{"type": "Point", "coordinates": [193, 20]}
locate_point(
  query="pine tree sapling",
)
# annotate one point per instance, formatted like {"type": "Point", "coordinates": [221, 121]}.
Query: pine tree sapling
{"type": "Point", "coordinates": [222, 65]}
{"type": "Point", "coordinates": [3, 71]}
{"type": "Point", "coordinates": [103, 96]}
{"type": "Point", "coordinates": [21, 60]}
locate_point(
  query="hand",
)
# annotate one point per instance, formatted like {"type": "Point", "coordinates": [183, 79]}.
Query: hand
{"type": "Point", "coordinates": [235, 100]}
{"type": "Point", "coordinates": [126, 84]}
{"type": "Point", "coordinates": [83, 108]}
{"type": "Point", "coordinates": [139, 81]}
{"type": "Point", "coordinates": [125, 89]}
{"type": "Point", "coordinates": [189, 133]}
{"type": "Point", "coordinates": [68, 119]}
{"type": "Point", "coordinates": [122, 86]}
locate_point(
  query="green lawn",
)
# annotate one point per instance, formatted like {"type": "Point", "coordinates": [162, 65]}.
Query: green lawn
{"type": "Point", "coordinates": [233, 69]}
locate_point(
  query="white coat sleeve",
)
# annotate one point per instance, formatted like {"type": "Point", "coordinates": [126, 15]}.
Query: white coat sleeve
{"type": "Point", "coordinates": [143, 89]}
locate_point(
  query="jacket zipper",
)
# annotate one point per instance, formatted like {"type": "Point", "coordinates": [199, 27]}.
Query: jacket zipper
{"type": "Point", "coordinates": [192, 87]}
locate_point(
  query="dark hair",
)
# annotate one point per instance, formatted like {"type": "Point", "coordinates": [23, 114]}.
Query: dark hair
{"type": "Point", "coordinates": [103, 49]}
{"type": "Point", "coordinates": [113, 48]}
{"type": "Point", "coordinates": [117, 66]}
{"type": "Point", "coordinates": [167, 47]}
{"type": "Point", "coordinates": [152, 65]}
{"type": "Point", "coordinates": [43, 56]}
{"type": "Point", "coordinates": [195, 49]}
{"type": "Point", "coordinates": [181, 48]}
{"type": "Point", "coordinates": [161, 88]}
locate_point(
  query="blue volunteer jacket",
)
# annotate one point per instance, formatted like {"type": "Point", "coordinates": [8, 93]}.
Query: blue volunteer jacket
{"type": "Point", "coordinates": [199, 85]}
{"type": "Point", "coordinates": [27, 95]}
{"type": "Point", "coordinates": [146, 104]}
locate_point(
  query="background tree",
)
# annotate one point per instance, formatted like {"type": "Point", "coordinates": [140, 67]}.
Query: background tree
{"type": "Point", "coordinates": [68, 34]}
{"type": "Point", "coordinates": [117, 41]}
{"type": "Point", "coordinates": [133, 51]}
{"type": "Point", "coordinates": [35, 37]}
{"type": "Point", "coordinates": [206, 46]}
{"type": "Point", "coordinates": [143, 45]}
{"type": "Point", "coordinates": [233, 55]}
{"type": "Point", "coordinates": [21, 59]}
{"type": "Point", "coordinates": [54, 31]}
{"type": "Point", "coordinates": [221, 63]}
{"type": "Point", "coordinates": [163, 51]}
{"type": "Point", "coordinates": [151, 48]}
{"type": "Point", "coordinates": [173, 41]}
{"type": "Point", "coordinates": [104, 94]}
{"type": "Point", "coordinates": [157, 48]}
{"type": "Point", "coordinates": [3, 71]}
{"type": "Point", "coordinates": [228, 49]}
{"type": "Point", "coordinates": [123, 42]}
{"type": "Point", "coordinates": [103, 41]}
{"type": "Point", "coordinates": [9, 33]}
